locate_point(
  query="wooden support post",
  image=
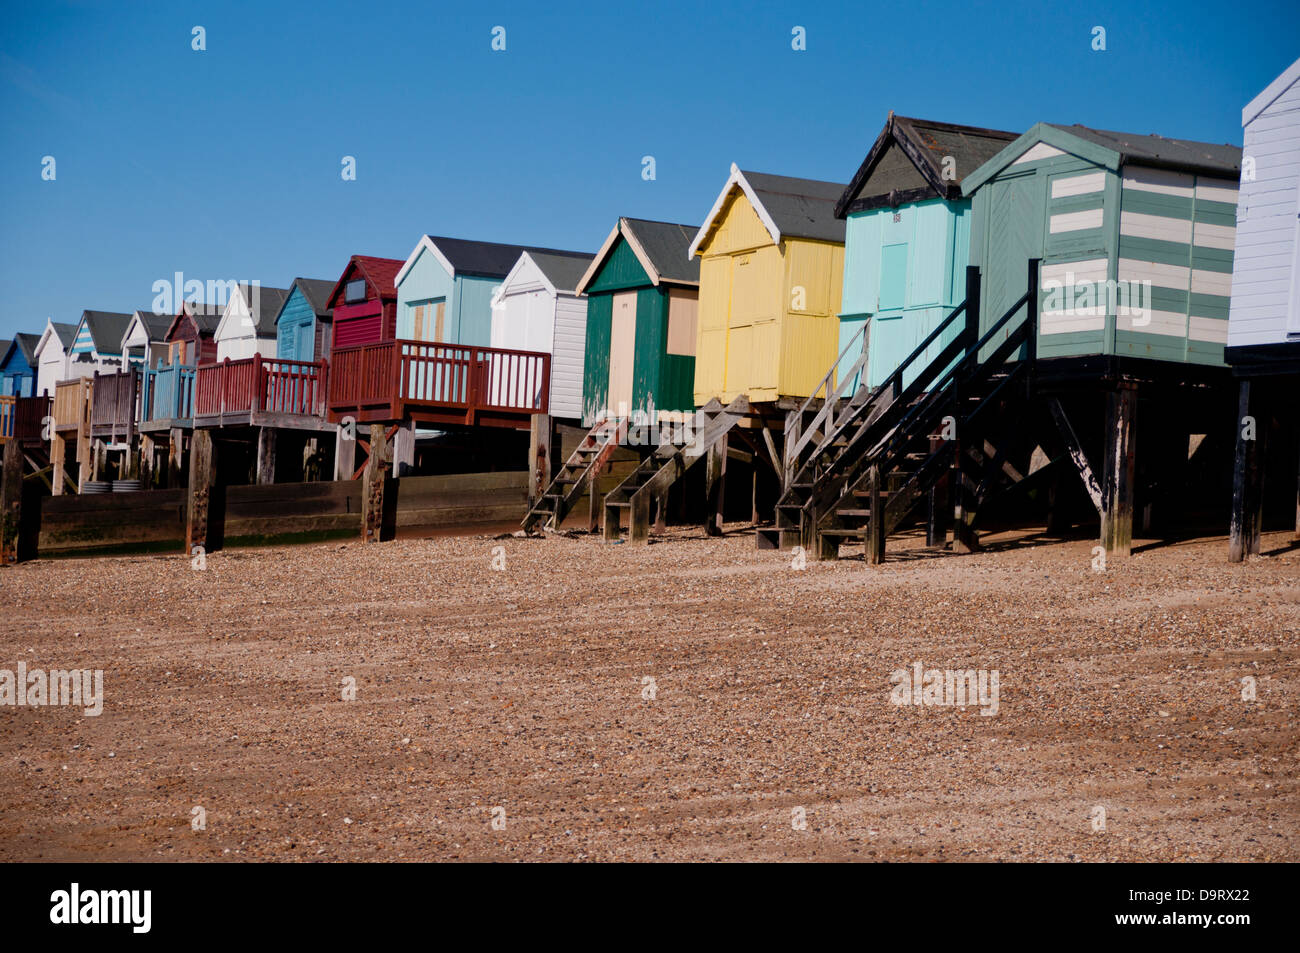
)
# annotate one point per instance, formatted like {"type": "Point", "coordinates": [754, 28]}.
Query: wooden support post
{"type": "Point", "coordinates": [345, 451]}
{"type": "Point", "coordinates": [1117, 471]}
{"type": "Point", "coordinates": [753, 494]}
{"type": "Point", "coordinates": [266, 441]}
{"type": "Point", "coordinates": [1255, 512]}
{"type": "Point", "coordinates": [97, 458]}
{"type": "Point", "coordinates": [205, 507]}
{"type": "Point", "coordinates": [539, 456]}
{"type": "Point", "coordinates": [58, 454]}
{"type": "Point", "coordinates": [875, 541]}
{"type": "Point", "coordinates": [1297, 487]}
{"type": "Point", "coordinates": [372, 486]}
{"type": "Point", "coordinates": [964, 537]}
{"type": "Point", "coordinates": [793, 430]}
{"type": "Point", "coordinates": [404, 449]}
{"type": "Point", "coordinates": [639, 520]}
{"type": "Point", "coordinates": [175, 457]}
{"type": "Point", "coordinates": [661, 512]}
{"type": "Point", "coordinates": [146, 458]}
{"type": "Point", "coordinates": [11, 501]}
{"type": "Point", "coordinates": [936, 530]}
{"type": "Point", "coordinates": [715, 480]}
{"type": "Point", "coordinates": [83, 456]}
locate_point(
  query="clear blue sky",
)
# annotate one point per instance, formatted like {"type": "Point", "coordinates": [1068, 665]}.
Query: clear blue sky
{"type": "Point", "coordinates": [225, 164]}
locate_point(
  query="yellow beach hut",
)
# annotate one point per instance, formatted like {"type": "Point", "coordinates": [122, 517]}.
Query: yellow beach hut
{"type": "Point", "coordinates": [771, 268]}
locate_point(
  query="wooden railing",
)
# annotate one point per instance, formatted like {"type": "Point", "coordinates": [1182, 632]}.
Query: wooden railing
{"type": "Point", "coordinates": [260, 385]}
{"type": "Point", "coordinates": [113, 404]}
{"type": "Point", "coordinates": [29, 419]}
{"type": "Point", "coordinates": [384, 379]}
{"type": "Point", "coordinates": [167, 393]}
{"type": "Point", "coordinates": [72, 404]}
{"type": "Point", "coordinates": [7, 412]}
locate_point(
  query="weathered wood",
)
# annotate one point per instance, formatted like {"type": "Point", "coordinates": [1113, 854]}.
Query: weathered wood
{"type": "Point", "coordinates": [266, 442]}
{"type": "Point", "coordinates": [964, 537]}
{"type": "Point", "coordinates": [639, 518]}
{"type": "Point", "coordinates": [539, 456]}
{"type": "Point", "coordinates": [790, 461]}
{"type": "Point", "coordinates": [404, 449]}
{"type": "Point", "coordinates": [1258, 467]}
{"type": "Point", "coordinates": [58, 456]}
{"type": "Point", "coordinates": [715, 481]}
{"type": "Point", "coordinates": [1118, 472]}
{"type": "Point", "coordinates": [205, 503]}
{"type": "Point", "coordinates": [175, 457]}
{"type": "Point", "coordinates": [147, 467]}
{"type": "Point", "coordinates": [875, 540]}
{"type": "Point", "coordinates": [376, 474]}
{"type": "Point", "coordinates": [11, 501]}
{"type": "Point", "coordinates": [936, 530]}
{"type": "Point", "coordinates": [345, 451]}
{"type": "Point", "coordinates": [1075, 449]}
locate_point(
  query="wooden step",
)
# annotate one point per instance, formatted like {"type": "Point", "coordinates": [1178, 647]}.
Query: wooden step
{"type": "Point", "coordinates": [842, 533]}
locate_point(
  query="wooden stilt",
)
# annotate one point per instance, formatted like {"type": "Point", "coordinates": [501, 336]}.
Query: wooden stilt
{"type": "Point", "coordinates": [1255, 497]}
{"type": "Point", "coordinates": [539, 456]}
{"type": "Point", "coordinates": [404, 450]}
{"type": "Point", "coordinates": [58, 454]}
{"type": "Point", "coordinates": [147, 474]}
{"type": "Point", "coordinates": [372, 489]}
{"type": "Point", "coordinates": [11, 501]}
{"type": "Point", "coordinates": [639, 520]}
{"type": "Point", "coordinates": [205, 508]}
{"type": "Point", "coordinates": [1243, 465]}
{"type": "Point", "coordinates": [715, 480]}
{"type": "Point", "coordinates": [175, 457]}
{"type": "Point", "coordinates": [936, 530]}
{"type": "Point", "coordinates": [345, 452]}
{"type": "Point", "coordinates": [1117, 472]}
{"type": "Point", "coordinates": [266, 441]}
{"type": "Point", "coordinates": [876, 526]}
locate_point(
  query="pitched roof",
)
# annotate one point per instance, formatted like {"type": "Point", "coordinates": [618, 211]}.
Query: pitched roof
{"type": "Point", "coordinates": [380, 273]}
{"type": "Point", "coordinates": [66, 333]}
{"type": "Point", "coordinates": [206, 317]}
{"type": "Point", "coordinates": [107, 329]}
{"type": "Point", "coordinates": [317, 292]}
{"type": "Point", "coordinates": [463, 256]}
{"type": "Point", "coordinates": [264, 306]}
{"type": "Point", "coordinates": [4, 349]}
{"type": "Point", "coordinates": [155, 325]}
{"type": "Point", "coordinates": [662, 248]}
{"type": "Point", "coordinates": [1150, 149]}
{"type": "Point", "coordinates": [1290, 76]}
{"type": "Point", "coordinates": [562, 269]}
{"type": "Point", "coordinates": [926, 144]}
{"type": "Point", "coordinates": [788, 207]}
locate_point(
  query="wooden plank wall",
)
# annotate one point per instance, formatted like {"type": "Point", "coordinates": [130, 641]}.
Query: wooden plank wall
{"type": "Point", "coordinates": [75, 525]}
{"type": "Point", "coordinates": [462, 498]}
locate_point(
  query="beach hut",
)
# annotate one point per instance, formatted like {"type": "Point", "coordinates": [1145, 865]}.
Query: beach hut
{"type": "Point", "coordinates": [1151, 218]}
{"type": "Point", "coordinates": [189, 337]}
{"type": "Point", "coordinates": [771, 267]}
{"type": "Point", "coordinates": [907, 241]}
{"type": "Point", "coordinates": [536, 308]}
{"type": "Point", "coordinates": [1263, 346]}
{"type": "Point", "coordinates": [18, 366]}
{"type": "Point", "coordinates": [364, 302]}
{"type": "Point", "coordinates": [97, 343]}
{"type": "Point", "coordinates": [305, 324]}
{"type": "Point", "coordinates": [642, 292]}
{"type": "Point", "coordinates": [52, 355]}
{"type": "Point", "coordinates": [247, 326]}
{"type": "Point", "coordinates": [144, 343]}
{"type": "Point", "coordinates": [445, 288]}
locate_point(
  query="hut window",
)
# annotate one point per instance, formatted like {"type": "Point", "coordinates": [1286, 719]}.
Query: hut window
{"type": "Point", "coordinates": [354, 291]}
{"type": "Point", "coordinates": [419, 321]}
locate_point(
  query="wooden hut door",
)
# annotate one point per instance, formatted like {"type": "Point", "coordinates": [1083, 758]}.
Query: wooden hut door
{"type": "Point", "coordinates": [622, 351]}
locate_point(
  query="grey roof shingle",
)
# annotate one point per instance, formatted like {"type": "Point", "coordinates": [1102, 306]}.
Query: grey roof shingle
{"type": "Point", "coordinates": [562, 269]}
{"type": "Point", "coordinates": [206, 316]}
{"type": "Point", "coordinates": [66, 333]}
{"type": "Point", "coordinates": [155, 325]}
{"type": "Point", "coordinates": [317, 292]}
{"type": "Point", "coordinates": [1144, 149]}
{"type": "Point", "coordinates": [925, 144]}
{"type": "Point", "coordinates": [801, 208]}
{"type": "Point", "coordinates": [667, 245]}
{"type": "Point", "coordinates": [107, 329]}
{"type": "Point", "coordinates": [485, 259]}
{"type": "Point", "coordinates": [27, 344]}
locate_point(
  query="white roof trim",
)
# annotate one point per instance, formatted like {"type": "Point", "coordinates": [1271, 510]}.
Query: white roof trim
{"type": "Point", "coordinates": [48, 333]}
{"type": "Point", "coordinates": [516, 268]}
{"type": "Point", "coordinates": [425, 243]}
{"type": "Point", "coordinates": [736, 178]}
{"type": "Point", "coordinates": [1274, 89]}
{"type": "Point", "coordinates": [619, 229]}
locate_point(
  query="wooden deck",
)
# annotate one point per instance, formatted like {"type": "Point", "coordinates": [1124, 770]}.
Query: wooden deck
{"type": "Point", "coordinates": [261, 392]}
{"type": "Point", "coordinates": [439, 384]}
{"type": "Point", "coordinates": [72, 406]}
{"type": "Point", "coordinates": [113, 405]}
{"type": "Point", "coordinates": [167, 398]}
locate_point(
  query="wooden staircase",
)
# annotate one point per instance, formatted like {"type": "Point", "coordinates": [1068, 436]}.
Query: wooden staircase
{"type": "Point", "coordinates": [577, 475]}
{"type": "Point", "coordinates": [656, 474]}
{"type": "Point", "coordinates": [883, 452]}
